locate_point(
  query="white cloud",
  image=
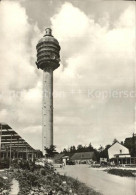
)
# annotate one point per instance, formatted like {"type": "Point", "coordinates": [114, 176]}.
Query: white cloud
{"type": "Point", "coordinates": [17, 70]}
{"type": "Point", "coordinates": [127, 19]}
{"type": "Point", "coordinates": [76, 23]}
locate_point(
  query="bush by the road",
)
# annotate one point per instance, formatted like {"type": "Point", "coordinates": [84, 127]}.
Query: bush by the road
{"type": "Point", "coordinates": [122, 172]}
{"type": "Point", "coordinates": [4, 185]}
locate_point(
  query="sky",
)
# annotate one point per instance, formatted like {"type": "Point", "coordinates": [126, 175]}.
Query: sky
{"type": "Point", "coordinates": [94, 86]}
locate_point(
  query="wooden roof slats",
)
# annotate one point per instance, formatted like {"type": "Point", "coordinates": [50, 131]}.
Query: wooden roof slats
{"type": "Point", "coordinates": [5, 126]}
{"type": "Point", "coordinates": [10, 138]}
{"type": "Point", "coordinates": [7, 132]}
{"type": "Point", "coordinates": [9, 141]}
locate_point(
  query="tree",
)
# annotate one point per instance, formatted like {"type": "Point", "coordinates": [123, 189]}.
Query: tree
{"type": "Point", "coordinates": [103, 152]}
{"type": "Point", "coordinates": [130, 143]}
{"type": "Point", "coordinates": [64, 151]}
{"type": "Point", "coordinates": [50, 152]}
{"type": "Point", "coordinates": [72, 149]}
{"type": "Point", "coordinates": [115, 140]}
{"type": "Point", "coordinates": [100, 149]}
{"type": "Point", "coordinates": [80, 148]}
{"type": "Point", "coordinates": [107, 147]}
{"type": "Point", "coordinates": [122, 143]}
{"type": "Point", "coordinates": [90, 147]}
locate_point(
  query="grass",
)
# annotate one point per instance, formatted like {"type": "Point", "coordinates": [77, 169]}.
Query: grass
{"type": "Point", "coordinates": [122, 172]}
{"type": "Point", "coordinates": [79, 187]}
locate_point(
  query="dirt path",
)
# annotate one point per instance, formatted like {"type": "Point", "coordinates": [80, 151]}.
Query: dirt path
{"type": "Point", "coordinates": [14, 187]}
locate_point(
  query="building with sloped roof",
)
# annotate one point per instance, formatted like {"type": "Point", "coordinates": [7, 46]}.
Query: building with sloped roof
{"type": "Point", "coordinates": [118, 149]}
{"type": "Point", "coordinates": [13, 146]}
{"type": "Point", "coordinates": [119, 154]}
{"type": "Point", "coordinates": [83, 157]}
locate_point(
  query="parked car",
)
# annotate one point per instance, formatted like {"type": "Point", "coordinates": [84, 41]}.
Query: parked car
{"type": "Point", "coordinates": [70, 162]}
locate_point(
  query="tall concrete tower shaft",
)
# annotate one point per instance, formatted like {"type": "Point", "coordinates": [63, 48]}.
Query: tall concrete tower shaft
{"type": "Point", "coordinates": [48, 59]}
{"type": "Point", "coordinates": [47, 108]}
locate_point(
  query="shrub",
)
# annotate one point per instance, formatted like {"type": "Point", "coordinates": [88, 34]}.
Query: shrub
{"type": "Point", "coordinates": [4, 184]}
{"type": "Point", "coordinates": [1, 182]}
{"type": "Point", "coordinates": [42, 171]}
{"type": "Point", "coordinates": [121, 172]}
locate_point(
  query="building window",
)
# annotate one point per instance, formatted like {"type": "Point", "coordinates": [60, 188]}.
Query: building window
{"type": "Point", "coordinates": [120, 151]}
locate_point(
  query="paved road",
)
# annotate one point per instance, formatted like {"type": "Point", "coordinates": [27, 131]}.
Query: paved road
{"type": "Point", "coordinates": [101, 181]}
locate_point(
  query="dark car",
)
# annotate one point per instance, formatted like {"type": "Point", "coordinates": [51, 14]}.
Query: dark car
{"type": "Point", "coordinates": [70, 163]}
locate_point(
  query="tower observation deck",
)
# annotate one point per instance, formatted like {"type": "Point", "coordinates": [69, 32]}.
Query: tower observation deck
{"type": "Point", "coordinates": [48, 59]}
